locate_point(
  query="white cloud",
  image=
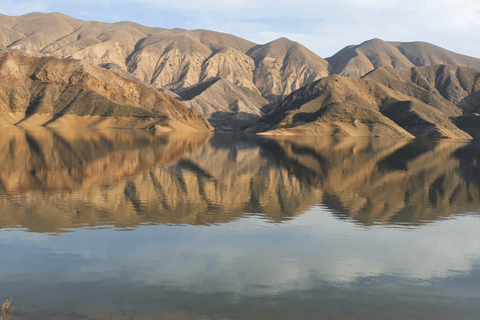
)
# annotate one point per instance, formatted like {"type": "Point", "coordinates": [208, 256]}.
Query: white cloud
{"type": "Point", "coordinates": [323, 26]}
{"type": "Point", "coordinates": [13, 8]}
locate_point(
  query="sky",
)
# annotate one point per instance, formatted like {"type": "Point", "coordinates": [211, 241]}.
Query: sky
{"type": "Point", "coordinates": [324, 27]}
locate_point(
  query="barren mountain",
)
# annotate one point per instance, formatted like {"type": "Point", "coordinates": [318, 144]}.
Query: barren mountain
{"type": "Point", "coordinates": [426, 54]}
{"type": "Point", "coordinates": [453, 90]}
{"type": "Point", "coordinates": [51, 91]}
{"type": "Point", "coordinates": [283, 66]}
{"type": "Point", "coordinates": [356, 61]}
{"type": "Point", "coordinates": [355, 107]}
{"type": "Point", "coordinates": [171, 59]}
{"type": "Point", "coordinates": [223, 103]}
{"type": "Point", "coordinates": [232, 81]}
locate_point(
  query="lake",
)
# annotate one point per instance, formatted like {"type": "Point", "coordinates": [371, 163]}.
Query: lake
{"type": "Point", "coordinates": [123, 224]}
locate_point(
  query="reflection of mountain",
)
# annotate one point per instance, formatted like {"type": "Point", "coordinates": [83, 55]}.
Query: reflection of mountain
{"type": "Point", "coordinates": [213, 184]}
{"type": "Point", "coordinates": [380, 180]}
{"type": "Point", "coordinates": [53, 180]}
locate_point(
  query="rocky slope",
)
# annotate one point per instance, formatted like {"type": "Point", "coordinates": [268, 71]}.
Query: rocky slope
{"type": "Point", "coordinates": [232, 81]}
{"type": "Point", "coordinates": [51, 91]}
{"type": "Point", "coordinates": [453, 90]}
{"type": "Point", "coordinates": [356, 107]}
{"type": "Point", "coordinates": [53, 180]}
{"type": "Point", "coordinates": [283, 66]}
{"type": "Point", "coordinates": [224, 104]}
{"type": "Point", "coordinates": [356, 61]}
{"type": "Point", "coordinates": [171, 59]}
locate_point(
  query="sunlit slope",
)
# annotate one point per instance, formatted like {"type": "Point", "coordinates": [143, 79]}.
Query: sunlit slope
{"type": "Point", "coordinates": [283, 66]}
{"type": "Point", "coordinates": [51, 91]}
{"type": "Point", "coordinates": [173, 59]}
{"type": "Point", "coordinates": [356, 107]}
{"type": "Point", "coordinates": [358, 60]}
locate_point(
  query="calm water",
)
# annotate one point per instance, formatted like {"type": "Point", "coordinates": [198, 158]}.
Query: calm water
{"type": "Point", "coordinates": [129, 225]}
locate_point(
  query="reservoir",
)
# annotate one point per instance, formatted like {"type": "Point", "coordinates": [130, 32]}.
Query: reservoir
{"type": "Point", "coordinates": [123, 224]}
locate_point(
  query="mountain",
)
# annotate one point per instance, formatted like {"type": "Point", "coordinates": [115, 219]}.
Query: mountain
{"type": "Point", "coordinates": [372, 181]}
{"type": "Point", "coordinates": [356, 61]}
{"type": "Point", "coordinates": [337, 105]}
{"type": "Point", "coordinates": [67, 92]}
{"type": "Point", "coordinates": [426, 54]}
{"type": "Point", "coordinates": [174, 60]}
{"type": "Point", "coordinates": [233, 82]}
{"type": "Point", "coordinates": [453, 90]}
{"type": "Point", "coordinates": [226, 105]}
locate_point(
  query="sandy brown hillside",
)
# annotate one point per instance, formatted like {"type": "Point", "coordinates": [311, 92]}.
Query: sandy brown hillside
{"type": "Point", "coordinates": [56, 92]}
{"type": "Point", "coordinates": [283, 66]}
{"type": "Point", "coordinates": [226, 105]}
{"type": "Point", "coordinates": [356, 61]}
{"type": "Point", "coordinates": [451, 89]}
{"type": "Point", "coordinates": [232, 81]}
{"type": "Point", "coordinates": [170, 59]}
{"type": "Point", "coordinates": [355, 107]}
{"type": "Point", "coordinates": [426, 54]}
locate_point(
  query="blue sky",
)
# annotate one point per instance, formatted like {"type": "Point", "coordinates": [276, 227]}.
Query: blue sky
{"type": "Point", "coordinates": [325, 27]}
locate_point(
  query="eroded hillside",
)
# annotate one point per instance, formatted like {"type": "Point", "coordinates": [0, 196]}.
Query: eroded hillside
{"type": "Point", "coordinates": [234, 82]}
{"type": "Point", "coordinates": [356, 107]}
{"type": "Point", "coordinates": [67, 92]}
{"type": "Point", "coordinates": [173, 59]}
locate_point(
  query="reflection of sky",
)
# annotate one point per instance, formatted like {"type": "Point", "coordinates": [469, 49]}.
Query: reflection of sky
{"type": "Point", "coordinates": [250, 254]}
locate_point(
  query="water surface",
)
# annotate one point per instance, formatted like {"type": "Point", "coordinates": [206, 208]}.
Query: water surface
{"type": "Point", "coordinates": [130, 225]}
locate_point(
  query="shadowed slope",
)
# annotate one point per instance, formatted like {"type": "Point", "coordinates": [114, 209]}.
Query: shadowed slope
{"type": "Point", "coordinates": [453, 90]}
{"type": "Point", "coordinates": [283, 66]}
{"type": "Point", "coordinates": [355, 107]}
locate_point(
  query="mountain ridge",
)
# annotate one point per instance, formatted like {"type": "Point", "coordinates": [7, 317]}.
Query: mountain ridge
{"type": "Point", "coordinates": [229, 80]}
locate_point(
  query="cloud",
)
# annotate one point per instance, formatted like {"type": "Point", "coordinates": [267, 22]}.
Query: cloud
{"type": "Point", "coordinates": [323, 26]}
{"type": "Point", "coordinates": [14, 8]}
{"type": "Point", "coordinates": [251, 253]}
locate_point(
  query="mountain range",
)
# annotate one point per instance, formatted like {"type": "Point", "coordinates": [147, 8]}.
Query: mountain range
{"type": "Point", "coordinates": [413, 88]}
